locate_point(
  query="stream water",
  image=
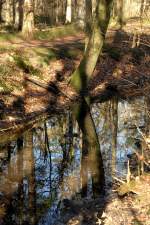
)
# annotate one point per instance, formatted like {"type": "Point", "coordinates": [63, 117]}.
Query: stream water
{"type": "Point", "coordinates": [43, 166]}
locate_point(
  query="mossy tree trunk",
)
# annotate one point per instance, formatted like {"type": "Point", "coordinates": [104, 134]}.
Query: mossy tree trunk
{"type": "Point", "coordinates": [81, 76]}
{"type": "Point", "coordinates": [79, 80]}
{"type": "Point", "coordinates": [88, 20]}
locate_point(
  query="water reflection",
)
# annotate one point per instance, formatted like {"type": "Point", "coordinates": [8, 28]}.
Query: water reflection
{"type": "Point", "coordinates": [121, 126]}
{"type": "Point", "coordinates": [52, 162]}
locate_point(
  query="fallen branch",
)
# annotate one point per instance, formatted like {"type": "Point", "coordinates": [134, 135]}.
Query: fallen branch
{"type": "Point", "coordinates": [50, 87]}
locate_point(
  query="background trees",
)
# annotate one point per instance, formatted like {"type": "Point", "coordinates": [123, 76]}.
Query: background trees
{"type": "Point", "coordinates": [21, 14]}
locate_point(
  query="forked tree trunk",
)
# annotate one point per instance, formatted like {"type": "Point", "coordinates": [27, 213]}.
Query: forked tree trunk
{"type": "Point", "coordinates": [79, 80]}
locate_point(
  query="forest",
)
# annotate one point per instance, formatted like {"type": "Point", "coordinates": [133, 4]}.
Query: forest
{"type": "Point", "coordinates": [74, 112]}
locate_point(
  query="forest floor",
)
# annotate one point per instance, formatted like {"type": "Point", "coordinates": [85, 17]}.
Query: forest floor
{"type": "Point", "coordinates": [35, 73]}
{"type": "Point", "coordinates": [129, 208]}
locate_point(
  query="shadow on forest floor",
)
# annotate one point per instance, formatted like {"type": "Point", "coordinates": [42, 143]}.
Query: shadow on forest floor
{"type": "Point", "coordinates": [122, 70]}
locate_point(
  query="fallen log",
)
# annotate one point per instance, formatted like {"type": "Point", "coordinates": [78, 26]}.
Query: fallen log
{"type": "Point", "coordinates": [11, 130]}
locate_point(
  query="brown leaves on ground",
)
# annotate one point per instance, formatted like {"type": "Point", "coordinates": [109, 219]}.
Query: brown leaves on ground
{"type": "Point", "coordinates": [121, 70]}
{"type": "Point", "coordinates": [131, 209]}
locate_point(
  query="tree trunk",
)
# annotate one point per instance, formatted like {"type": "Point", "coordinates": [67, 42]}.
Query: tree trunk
{"type": "Point", "coordinates": [84, 168]}
{"type": "Point", "coordinates": [16, 14]}
{"type": "Point", "coordinates": [1, 9]}
{"type": "Point", "coordinates": [81, 13]}
{"type": "Point", "coordinates": [88, 20]}
{"type": "Point", "coordinates": [56, 12]}
{"type": "Point", "coordinates": [28, 18]}
{"type": "Point", "coordinates": [95, 163]}
{"type": "Point", "coordinates": [29, 170]}
{"type": "Point", "coordinates": [68, 12]}
{"type": "Point", "coordinates": [20, 179]}
{"type": "Point", "coordinates": [20, 15]}
{"type": "Point", "coordinates": [79, 80]}
{"type": "Point", "coordinates": [114, 128]}
{"type": "Point", "coordinates": [120, 16]}
{"type": "Point", "coordinates": [8, 19]}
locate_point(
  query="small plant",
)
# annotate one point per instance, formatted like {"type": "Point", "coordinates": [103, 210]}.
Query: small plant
{"type": "Point", "coordinates": [23, 64]}
{"type": "Point", "coordinates": [56, 32]}
{"type": "Point", "coordinates": [4, 70]}
{"type": "Point", "coordinates": [4, 87]}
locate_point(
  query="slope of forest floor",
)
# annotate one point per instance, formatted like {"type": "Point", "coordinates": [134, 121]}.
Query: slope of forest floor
{"type": "Point", "coordinates": [35, 73]}
{"type": "Point", "coordinates": [131, 208]}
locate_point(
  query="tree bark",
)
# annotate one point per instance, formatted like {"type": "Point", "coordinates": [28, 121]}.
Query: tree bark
{"type": "Point", "coordinates": [8, 19]}
{"type": "Point", "coordinates": [91, 147]}
{"type": "Point", "coordinates": [120, 16]}
{"type": "Point", "coordinates": [114, 128]}
{"type": "Point", "coordinates": [1, 9]}
{"type": "Point", "coordinates": [88, 20]}
{"type": "Point", "coordinates": [79, 80]}
{"type": "Point", "coordinates": [80, 13]}
{"type": "Point", "coordinates": [29, 170]}
{"type": "Point", "coordinates": [68, 12]}
{"type": "Point", "coordinates": [28, 18]}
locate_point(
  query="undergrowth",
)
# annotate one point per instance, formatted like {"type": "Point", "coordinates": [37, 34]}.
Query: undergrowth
{"type": "Point", "coordinates": [23, 63]}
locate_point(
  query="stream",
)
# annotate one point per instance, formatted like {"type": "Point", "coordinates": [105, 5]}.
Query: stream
{"type": "Point", "coordinates": [43, 167]}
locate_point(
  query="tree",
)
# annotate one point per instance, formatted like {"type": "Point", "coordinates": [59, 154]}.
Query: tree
{"type": "Point", "coordinates": [88, 20]}
{"type": "Point", "coordinates": [81, 12]}
{"type": "Point", "coordinates": [81, 76]}
{"type": "Point", "coordinates": [28, 18]}
{"type": "Point", "coordinates": [68, 12]}
{"type": "Point", "coordinates": [1, 9]}
{"type": "Point", "coordinates": [29, 171]}
{"type": "Point", "coordinates": [8, 18]}
{"type": "Point", "coordinates": [114, 129]}
{"type": "Point", "coordinates": [79, 80]}
{"type": "Point", "coordinates": [120, 12]}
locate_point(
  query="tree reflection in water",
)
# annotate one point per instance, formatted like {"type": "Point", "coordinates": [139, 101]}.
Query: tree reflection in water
{"type": "Point", "coordinates": [51, 162]}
